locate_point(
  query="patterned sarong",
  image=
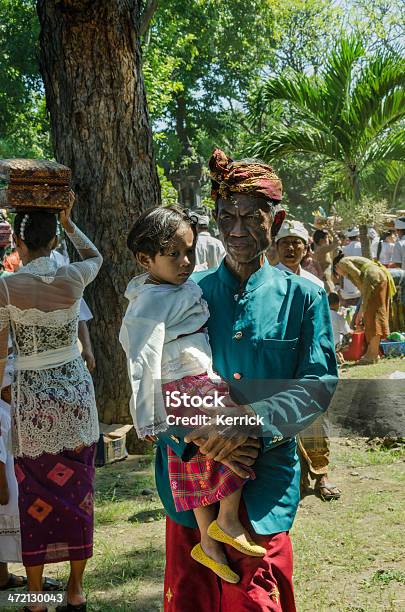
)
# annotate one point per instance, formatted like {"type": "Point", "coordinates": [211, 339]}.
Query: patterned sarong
{"type": "Point", "coordinates": [56, 506]}
{"type": "Point", "coordinates": [313, 445]}
{"type": "Point", "coordinates": [200, 481]}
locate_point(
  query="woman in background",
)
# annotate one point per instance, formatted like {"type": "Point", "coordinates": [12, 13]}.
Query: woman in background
{"type": "Point", "coordinates": [377, 289]}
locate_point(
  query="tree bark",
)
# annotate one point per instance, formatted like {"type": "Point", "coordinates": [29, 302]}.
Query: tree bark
{"type": "Point", "coordinates": [147, 16]}
{"type": "Point", "coordinates": [365, 241]}
{"type": "Point", "coordinates": [91, 66]}
{"type": "Point", "coordinates": [188, 174]}
{"type": "Point", "coordinates": [355, 183]}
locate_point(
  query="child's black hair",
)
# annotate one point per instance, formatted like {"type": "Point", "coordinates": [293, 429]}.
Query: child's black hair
{"type": "Point", "coordinates": [319, 234]}
{"type": "Point", "coordinates": [36, 228]}
{"type": "Point", "coordinates": [333, 299]}
{"type": "Point", "coordinates": [154, 230]}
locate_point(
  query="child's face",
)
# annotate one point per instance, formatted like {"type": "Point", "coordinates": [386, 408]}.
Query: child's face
{"type": "Point", "coordinates": [177, 262]}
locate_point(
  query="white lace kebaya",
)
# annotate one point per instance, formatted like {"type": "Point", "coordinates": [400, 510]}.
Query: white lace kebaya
{"type": "Point", "coordinates": [53, 394]}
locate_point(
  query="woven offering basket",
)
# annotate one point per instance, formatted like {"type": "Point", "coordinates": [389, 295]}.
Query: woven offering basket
{"type": "Point", "coordinates": [33, 184]}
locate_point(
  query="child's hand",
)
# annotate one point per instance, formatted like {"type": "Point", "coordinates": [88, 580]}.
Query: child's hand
{"type": "Point", "coordinates": [4, 493]}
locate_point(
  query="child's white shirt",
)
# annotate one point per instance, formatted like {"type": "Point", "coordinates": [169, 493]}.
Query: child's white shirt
{"type": "Point", "coordinates": [339, 325]}
{"type": "Point", "coordinates": [161, 337]}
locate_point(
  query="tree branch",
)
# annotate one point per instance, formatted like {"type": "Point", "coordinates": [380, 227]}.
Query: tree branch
{"type": "Point", "coordinates": [146, 17]}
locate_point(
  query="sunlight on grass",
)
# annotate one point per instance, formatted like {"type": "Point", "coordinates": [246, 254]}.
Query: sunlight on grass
{"type": "Point", "coordinates": [382, 369]}
{"type": "Point", "coordinates": [363, 457]}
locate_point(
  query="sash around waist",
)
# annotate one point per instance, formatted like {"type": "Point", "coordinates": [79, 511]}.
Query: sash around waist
{"type": "Point", "coordinates": [54, 358]}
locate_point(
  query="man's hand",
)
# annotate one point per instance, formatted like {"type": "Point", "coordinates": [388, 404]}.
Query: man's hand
{"type": "Point", "coordinates": [217, 441]}
{"type": "Point", "coordinates": [247, 453]}
{"type": "Point", "coordinates": [219, 446]}
{"type": "Point", "coordinates": [243, 456]}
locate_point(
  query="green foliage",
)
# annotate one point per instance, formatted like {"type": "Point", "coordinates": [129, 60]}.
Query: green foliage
{"type": "Point", "coordinates": [19, 74]}
{"type": "Point", "coordinates": [203, 65]}
{"type": "Point", "coordinates": [169, 194]}
{"type": "Point", "coordinates": [381, 23]}
{"type": "Point", "coordinates": [344, 114]}
{"type": "Point", "coordinates": [30, 136]}
{"type": "Point", "coordinates": [200, 62]}
{"type": "Point", "coordinates": [366, 212]}
{"type": "Point", "coordinates": [158, 71]}
{"type": "Point", "coordinates": [384, 577]}
{"type": "Point", "coordinates": [24, 130]}
{"type": "Point", "coordinates": [304, 30]}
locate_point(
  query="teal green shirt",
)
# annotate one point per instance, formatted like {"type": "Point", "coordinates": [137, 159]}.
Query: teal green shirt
{"type": "Point", "coordinates": [275, 335]}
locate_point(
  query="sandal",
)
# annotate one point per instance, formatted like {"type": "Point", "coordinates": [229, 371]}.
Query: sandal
{"type": "Point", "coordinates": [14, 582]}
{"type": "Point", "coordinates": [51, 584]}
{"type": "Point", "coordinates": [328, 491]}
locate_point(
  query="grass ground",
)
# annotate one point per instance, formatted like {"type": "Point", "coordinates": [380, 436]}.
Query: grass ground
{"type": "Point", "coordinates": [379, 370]}
{"type": "Point", "coordinates": [348, 554]}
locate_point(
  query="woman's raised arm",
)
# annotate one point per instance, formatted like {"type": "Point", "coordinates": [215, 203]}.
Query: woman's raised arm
{"type": "Point", "coordinates": [91, 257]}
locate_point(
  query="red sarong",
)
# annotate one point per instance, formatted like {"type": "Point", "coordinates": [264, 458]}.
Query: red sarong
{"type": "Point", "coordinates": [266, 583]}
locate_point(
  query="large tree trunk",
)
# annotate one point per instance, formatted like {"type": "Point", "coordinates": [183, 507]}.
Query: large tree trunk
{"type": "Point", "coordinates": [91, 65]}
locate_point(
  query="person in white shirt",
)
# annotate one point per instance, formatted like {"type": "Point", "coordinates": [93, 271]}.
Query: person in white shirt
{"type": "Point", "coordinates": [385, 249]}
{"type": "Point", "coordinates": [291, 243]}
{"type": "Point", "coordinates": [313, 444]}
{"type": "Point", "coordinates": [349, 293]}
{"type": "Point", "coordinates": [374, 241]}
{"type": "Point", "coordinates": [398, 256]}
{"type": "Point", "coordinates": [209, 251]}
{"type": "Point", "coordinates": [10, 542]}
{"type": "Point", "coordinates": [339, 324]}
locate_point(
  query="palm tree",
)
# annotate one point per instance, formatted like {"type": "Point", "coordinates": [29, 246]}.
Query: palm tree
{"type": "Point", "coordinates": [350, 114]}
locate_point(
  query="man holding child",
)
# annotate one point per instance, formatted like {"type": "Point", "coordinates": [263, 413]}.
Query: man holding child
{"type": "Point", "coordinates": [272, 342]}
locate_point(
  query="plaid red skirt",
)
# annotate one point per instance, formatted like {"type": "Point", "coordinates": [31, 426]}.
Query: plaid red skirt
{"type": "Point", "coordinates": [200, 481]}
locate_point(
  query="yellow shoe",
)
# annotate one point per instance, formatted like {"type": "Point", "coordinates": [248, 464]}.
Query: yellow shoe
{"type": "Point", "coordinates": [242, 544]}
{"type": "Point", "coordinates": [220, 569]}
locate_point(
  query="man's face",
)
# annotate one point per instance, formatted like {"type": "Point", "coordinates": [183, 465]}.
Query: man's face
{"type": "Point", "coordinates": [291, 250]}
{"type": "Point", "coordinates": [245, 226]}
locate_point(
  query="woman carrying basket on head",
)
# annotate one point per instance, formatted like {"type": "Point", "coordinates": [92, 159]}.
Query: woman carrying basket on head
{"type": "Point", "coordinates": [55, 424]}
